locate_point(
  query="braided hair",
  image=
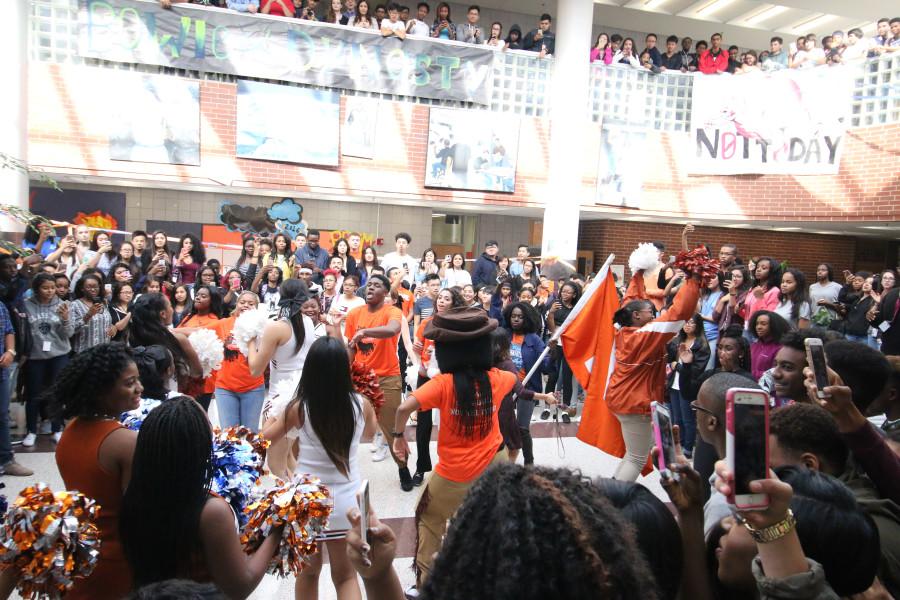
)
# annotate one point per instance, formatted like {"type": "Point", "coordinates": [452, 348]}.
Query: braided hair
{"type": "Point", "coordinates": [171, 475]}
{"type": "Point", "coordinates": [516, 519]}
{"type": "Point", "coordinates": [468, 362]}
{"type": "Point", "coordinates": [153, 363]}
{"type": "Point", "coordinates": [87, 378]}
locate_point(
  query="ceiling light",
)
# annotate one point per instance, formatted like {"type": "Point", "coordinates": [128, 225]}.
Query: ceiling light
{"type": "Point", "coordinates": [786, 228]}
{"type": "Point", "coordinates": [712, 7]}
{"type": "Point", "coordinates": [651, 4]}
{"type": "Point", "coordinates": [813, 23]}
{"type": "Point", "coordinates": [764, 14]}
{"type": "Point", "coordinates": [881, 227]}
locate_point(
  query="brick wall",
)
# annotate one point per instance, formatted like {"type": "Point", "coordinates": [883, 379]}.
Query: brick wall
{"type": "Point", "coordinates": [68, 123]}
{"type": "Point", "coordinates": [801, 250]}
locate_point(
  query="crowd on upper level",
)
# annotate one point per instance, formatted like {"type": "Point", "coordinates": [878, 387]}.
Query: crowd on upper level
{"type": "Point", "coordinates": [684, 54]}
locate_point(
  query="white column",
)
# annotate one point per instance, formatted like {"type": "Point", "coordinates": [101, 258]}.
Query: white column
{"type": "Point", "coordinates": [568, 117]}
{"type": "Point", "coordinates": [14, 106]}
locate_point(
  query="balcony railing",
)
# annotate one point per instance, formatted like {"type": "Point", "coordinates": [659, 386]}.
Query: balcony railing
{"type": "Point", "coordinates": [522, 82]}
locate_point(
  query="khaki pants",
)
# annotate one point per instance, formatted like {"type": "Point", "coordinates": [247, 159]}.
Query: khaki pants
{"type": "Point", "coordinates": [388, 413]}
{"type": "Point", "coordinates": [638, 436]}
{"type": "Point", "coordinates": [439, 501]}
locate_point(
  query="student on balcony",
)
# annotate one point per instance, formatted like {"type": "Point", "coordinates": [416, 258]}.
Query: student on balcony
{"type": "Point", "coordinates": [541, 39]}
{"type": "Point", "coordinates": [714, 60]}
{"type": "Point", "coordinates": [443, 28]}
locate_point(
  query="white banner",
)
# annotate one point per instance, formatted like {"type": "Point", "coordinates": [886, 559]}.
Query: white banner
{"type": "Point", "coordinates": [788, 122]}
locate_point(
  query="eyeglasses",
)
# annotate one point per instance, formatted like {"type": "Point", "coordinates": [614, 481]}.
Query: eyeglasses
{"type": "Point", "coordinates": [695, 406]}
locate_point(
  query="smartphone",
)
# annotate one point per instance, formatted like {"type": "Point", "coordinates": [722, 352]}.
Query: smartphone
{"type": "Point", "coordinates": [665, 439]}
{"type": "Point", "coordinates": [747, 444]}
{"type": "Point", "coordinates": [363, 499]}
{"type": "Point", "coordinates": [815, 356]}
{"type": "Point", "coordinates": [108, 288]}
{"type": "Point", "coordinates": [161, 262]}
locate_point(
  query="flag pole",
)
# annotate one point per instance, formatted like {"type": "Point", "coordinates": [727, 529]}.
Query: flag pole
{"type": "Point", "coordinates": [601, 275]}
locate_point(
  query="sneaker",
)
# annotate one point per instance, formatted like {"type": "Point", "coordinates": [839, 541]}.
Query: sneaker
{"type": "Point", "coordinates": [57, 436]}
{"type": "Point", "coordinates": [566, 418]}
{"type": "Point", "coordinates": [406, 482]}
{"type": "Point", "coordinates": [380, 453]}
{"type": "Point", "coordinates": [545, 414]}
{"type": "Point", "coordinates": [29, 440]}
{"type": "Point", "coordinates": [411, 593]}
{"type": "Point", "coordinates": [377, 441]}
{"type": "Point", "coordinates": [15, 469]}
{"type": "Point", "coordinates": [45, 428]}
{"type": "Point", "coordinates": [418, 478]}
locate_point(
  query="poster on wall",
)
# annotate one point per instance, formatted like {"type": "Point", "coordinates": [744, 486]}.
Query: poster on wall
{"type": "Point", "coordinates": [287, 124]}
{"type": "Point", "coordinates": [788, 122]}
{"type": "Point", "coordinates": [283, 216]}
{"type": "Point", "coordinates": [104, 210]}
{"type": "Point", "coordinates": [359, 127]}
{"type": "Point", "coordinates": [471, 150]}
{"type": "Point", "coordinates": [357, 240]}
{"type": "Point", "coordinates": [620, 171]}
{"type": "Point", "coordinates": [153, 118]}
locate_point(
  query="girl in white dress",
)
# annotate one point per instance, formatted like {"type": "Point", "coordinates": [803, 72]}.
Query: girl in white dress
{"type": "Point", "coordinates": [328, 419]}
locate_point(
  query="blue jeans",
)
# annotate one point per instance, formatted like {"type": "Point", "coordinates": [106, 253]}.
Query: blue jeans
{"type": "Point", "coordinates": [712, 354]}
{"type": "Point", "coordinates": [240, 408]}
{"type": "Point", "coordinates": [862, 339]}
{"type": "Point", "coordinates": [6, 453]}
{"type": "Point", "coordinates": [683, 416]}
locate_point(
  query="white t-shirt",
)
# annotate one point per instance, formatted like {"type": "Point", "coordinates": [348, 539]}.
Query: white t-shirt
{"type": "Point", "coordinates": [828, 292]}
{"type": "Point", "coordinates": [419, 28]}
{"type": "Point", "coordinates": [786, 308]}
{"type": "Point", "coordinates": [393, 26]}
{"type": "Point", "coordinates": [456, 277]}
{"type": "Point", "coordinates": [499, 45]}
{"type": "Point", "coordinates": [373, 23]}
{"type": "Point", "coordinates": [392, 259]}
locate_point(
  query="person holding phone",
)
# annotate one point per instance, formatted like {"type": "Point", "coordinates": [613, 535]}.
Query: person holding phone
{"type": "Point", "coordinates": [453, 271]}
{"type": "Point", "coordinates": [188, 259]}
{"type": "Point", "coordinates": [91, 320]}
{"type": "Point", "coordinates": [327, 419]}
{"type": "Point", "coordinates": [443, 27]}
{"type": "Point", "coordinates": [496, 38]}
{"type": "Point", "coordinates": [51, 328]}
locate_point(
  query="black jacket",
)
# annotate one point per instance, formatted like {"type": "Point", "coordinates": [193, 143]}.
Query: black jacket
{"type": "Point", "coordinates": [888, 312]}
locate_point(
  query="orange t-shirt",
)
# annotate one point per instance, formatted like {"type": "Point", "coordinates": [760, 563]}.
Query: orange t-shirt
{"type": "Point", "coordinates": [208, 322]}
{"type": "Point", "coordinates": [427, 345]}
{"type": "Point", "coordinates": [462, 459]}
{"type": "Point", "coordinates": [406, 301]}
{"type": "Point", "coordinates": [382, 358]}
{"type": "Point", "coordinates": [235, 374]}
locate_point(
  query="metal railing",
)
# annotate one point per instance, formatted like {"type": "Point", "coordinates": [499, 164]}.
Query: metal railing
{"type": "Point", "coordinates": [522, 81]}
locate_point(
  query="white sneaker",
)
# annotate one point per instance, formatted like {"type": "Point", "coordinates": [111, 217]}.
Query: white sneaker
{"type": "Point", "coordinates": [380, 454]}
{"type": "Point", "coordinates": [45, 428]}
{"type": "Point", "coordinates": [377, 441]}
{"type": "Point", "coordinates": [56, 436]}
{"type": "Point", "coordinates": [29, 440]}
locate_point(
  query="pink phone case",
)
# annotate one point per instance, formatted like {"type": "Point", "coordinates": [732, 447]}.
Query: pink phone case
{"type": "Point", "coordinates": [730, 428]}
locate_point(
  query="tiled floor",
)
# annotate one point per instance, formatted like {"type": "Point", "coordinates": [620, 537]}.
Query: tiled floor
{"type": "Point", "coordinates": [387, 499]}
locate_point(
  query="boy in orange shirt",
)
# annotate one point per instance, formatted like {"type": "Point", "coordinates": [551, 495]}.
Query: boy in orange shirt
{"type": "Point", "coordinates": [373, 331]}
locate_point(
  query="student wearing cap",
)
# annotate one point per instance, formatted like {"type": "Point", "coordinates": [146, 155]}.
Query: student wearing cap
{"type": "Point", "coordinates": [485, 271]}
{"type": "Point", "coordinates": [373, 331]}
{"type": "Point", "coordinates": [468, 393]}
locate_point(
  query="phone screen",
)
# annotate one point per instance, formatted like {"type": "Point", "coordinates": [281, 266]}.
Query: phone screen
{"type": "Point", "coordinates": [816, 357]}
{"type": "Point", "coordinates": [666, 437]}
{"type": "Point", "coordinates": [364, 510]}
{"type": "Point", "coordinates": [749, 446]}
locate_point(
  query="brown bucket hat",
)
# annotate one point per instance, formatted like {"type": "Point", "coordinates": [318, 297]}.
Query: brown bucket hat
{"type": "Point", "coordinates": [459, 324]}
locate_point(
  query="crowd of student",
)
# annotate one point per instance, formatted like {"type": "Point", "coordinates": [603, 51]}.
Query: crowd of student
{"type": "Point", "coordinates": [712, 57]}
{"type": "Point", "coordinates": [685, 55]}
{"type": "Point", "coordinates": [94, 329]}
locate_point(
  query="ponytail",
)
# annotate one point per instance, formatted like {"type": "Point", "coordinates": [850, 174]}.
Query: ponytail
{"type": "Point", "coordinates": [622, 317]}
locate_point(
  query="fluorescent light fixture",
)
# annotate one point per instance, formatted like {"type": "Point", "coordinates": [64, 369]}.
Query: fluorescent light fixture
{"type": "Point", "coordinates": [764, 14]}
{"type": "Point", "coordinates": [651, 4]}
{"type": "Point", "coordinates": [438, 215]}
{"type": "Point", "coordinates": [813, 23]}
{"type": "Point", "coordinates": [881, 227]}
{"type": "Point", "coordinates": [739, 226]}
{"type": "Point", "coordinates": [712, 7]}
{"type": "Point", "coordinates": [787, 228]}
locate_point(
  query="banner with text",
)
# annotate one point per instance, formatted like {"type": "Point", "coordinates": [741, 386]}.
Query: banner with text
{"type": "Point", "coordinates": [787, 122]}
{"type": "Point", "coordinates": [207, 39]}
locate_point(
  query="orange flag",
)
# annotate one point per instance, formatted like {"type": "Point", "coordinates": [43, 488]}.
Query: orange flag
{"type": "Point", "coordinates": [588, 344]}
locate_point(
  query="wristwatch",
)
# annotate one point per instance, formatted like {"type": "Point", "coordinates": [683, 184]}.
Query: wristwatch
{"type": "Point", "coordinates": [397, 434]}
{"type": "Point", "coordinates": [11, 351]}
{"type": "Point", "coordinates": [773, 532]}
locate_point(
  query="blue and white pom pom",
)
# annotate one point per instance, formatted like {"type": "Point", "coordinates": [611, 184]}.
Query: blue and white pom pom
{"type": "Point", "coordinates": [644, 257]}
{"type": "Point", "coordinates": [133, 419]}
{"type": "Point", "coordinates": [238, 457]}
{"type": "Point", "coordinates": [209, 349]}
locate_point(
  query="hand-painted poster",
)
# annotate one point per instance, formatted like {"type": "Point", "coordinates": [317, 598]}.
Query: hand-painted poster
{"type": "Point", "coordinates": [153, 118]}
{"type": "Point", "coordinates": [104, 210]}
{"type": "Point", "coordinates": [287, 124]}
{"type": "Point", "coordinates": [789, 122]}
{"type": "Point", "coordinates": [284, 216]}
